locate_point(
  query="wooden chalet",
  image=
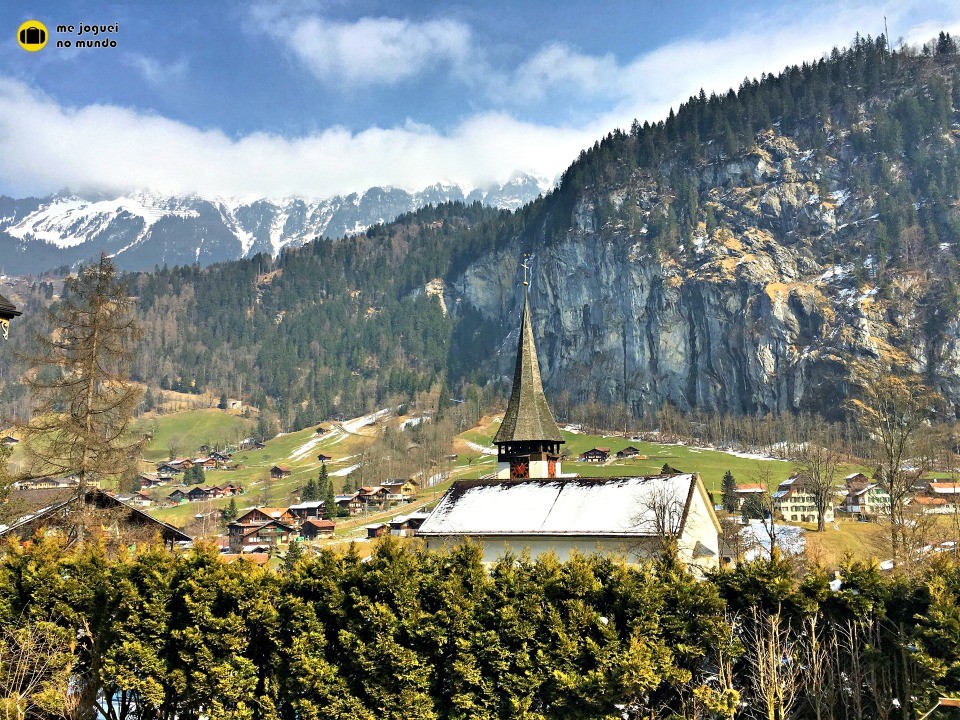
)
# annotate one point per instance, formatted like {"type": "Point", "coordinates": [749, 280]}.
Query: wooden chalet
{"type": "Point", "coordinates": [628, 452]}
{"type": "Point", "coordinates": [311, 509]}
{"type": "Point", "coordinates": [95, 512]}
{"type": "Point", "coordinates": [8, 312]}
{"type": "Point", "coordinates": [373, 496]}
{"type": "Point", "coordinates": [597, 454]}
{"type": "Point", "coordinates": [377, 529]}
{"type": "Point", "coordinates": [400, 489]}
{"type": "Point", "coordinates": [251, 444]}
{"type": "Point", "coordinates": [352, 503]}
{"type": "Point", "coordinates": [152, 480]}
{"type": "Point", "coordinates": [259, 515]}
{"type": "Point", "coordinates": [177, 496]}
{"type": "Point", "coordinates": [321, 430]}
{"type": "Point", "coordinates": [278, 472]}
{"type": "Point", "coordinates": [407, 525]}
{"type": "Point", "coordinates": [324, 458]}
{"type": "Point", "coordinates": [257, 535]}
{"type": "Point", "coordinates": [315, 527]}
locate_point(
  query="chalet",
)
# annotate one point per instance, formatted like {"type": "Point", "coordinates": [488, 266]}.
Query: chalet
{"type": "Point", "coordinates": [315, 527]}
{"type": "Point", "coordinates": [864, 499]}
{"type": "Point", "coordinates": [251, 444]}
{"type": "Point", "coordinates": [373, 497]}
{"type": "Point", "coordinates": [856, 478]}
{"type": "Point", "coordinates": [351, 504]}
{"type": "Point", "coordinates": [172, 467]}
{"type": "Point", "coordinates": [8, 440]}
{"type": "Point", "coordinates": [400, 489]}
{"type": "Point", "coordinates": [259, 515]}
{"type": "Point", "coordinates": [199, 494]}
{"type": "Point", "coordinates": [278, 472]}
{"type": "Point", "coordinates": [228, 489]}
{"type": "Point", "coordinates": [220, 457]}
{"type": "Point", "coordinates": [113, 518]}
{"type": "Point", "coordinates": [312, 509]}
{"type": "Point", "coordinates": [795, 501]}
{"type": "Point", "coordinates": [930, 504]}
{"type": "Point", "coordinates": [49, 483]}
{"type": "Point", "coordinates": [746, 490]}
{"type": "Point", "coordinates": [377, 530]}
{"type": "Point", "coordinates": [152, 480]}
{"type": "Point", "coordinates": [599, 455]}
{"type": "Point", "coordinates": [407, 525]}
{"type": "Point", "coordinates": [257, 535]}
{"type": "Point", "coordinates": [627, 452]}
{"type": "Point", "coordinates": [204, 449]}
{"type": "Point", "coordinates": [321, 430]}
{"type": "Point", "coordinates": [7, 313]}
{"type": "Point", "coordinates": [324, 458]}
{"type": "Point", "coordinates": [208, 463]}
{"type": "Point", "coordinates": [141, 499]}
{"type": "Point", "coordinates": [177, 496]}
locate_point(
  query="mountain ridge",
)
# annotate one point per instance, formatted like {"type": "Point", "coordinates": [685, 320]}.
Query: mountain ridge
{"type": "Point", "coordinates": [144, 229]}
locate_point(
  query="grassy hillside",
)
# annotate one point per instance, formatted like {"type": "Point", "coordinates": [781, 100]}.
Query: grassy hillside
{"type": "Point", "coordinates": [186, 431]}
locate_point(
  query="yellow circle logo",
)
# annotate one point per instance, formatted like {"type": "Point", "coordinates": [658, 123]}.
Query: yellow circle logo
{"type": "Point", "coordinates": [32, 35]}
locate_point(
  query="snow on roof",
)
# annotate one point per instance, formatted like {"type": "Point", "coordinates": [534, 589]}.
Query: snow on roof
{"type": "Point", "coordinates": [851, 476]}
{"type": "Point", "coordinates": [575, 506]}
{"type": "Point", "coordinates": [750, 488]}
{"type": "Point", "coordinates": [308, 505]}
{"type": "Point", "coordinates": [945, 488]}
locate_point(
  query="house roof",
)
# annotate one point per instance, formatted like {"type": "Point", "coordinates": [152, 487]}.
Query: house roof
{"type": "Point", "coordinates": [528, 417]}
{"type": "Point", "coordinates": [309, 505]}
{"type": "Point", "coordinates": [619, 506]}
{"type": "Point", "coordinates": [747, 488]}
{"type": "Point", "coordinates": [321, 524]}
{"type": "Point", "coordinates": [598, 449]}
{"type": "Point", "coordinates": [926, 500]}
{"type": "Point", "coordinates": [945, 488]}
{"type": "Point", "coordinates": [8, 309]}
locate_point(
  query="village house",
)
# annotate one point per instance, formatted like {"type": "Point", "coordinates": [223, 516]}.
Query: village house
{"type": "Point", "coordinates": [259, 515]}
{"type": "Point", "coordinates": [373, 497]}
{"type": "Point", "coordinates": [407, 525]}
{"type": "Point", "coordinates": [251, 444]}
{"type": "Point", "coordinates": [400, 489]}
{"type": "Point", "coordinates": [317, 527]}
{"type": "Point", "coordinates": [745, 490]}
{"type": "Point", "coordinates": [8, 311]}
{"type": "Point", "coordinates": [598, 455]}
{"type": "Point", "coordinates": [377, 529]}
{"type": "Point", "coordinates": [177, 496]}
{"type": "Point", "coordinates": [530, 506]}
{"type": "Point", "coordinates": [311, 509]}
{"type": "Point", "coordinates": [864, 500]}
{"type": "Point", "coordinates": [629, 452]}
{"type": "Point", "coordinates": [278, 472]}
{"type": "Point", "coordinates": [795, 501]}
{"type": "Point", "coordinates": [321, 430]}
{"type": "Point", "coordinates": [350, 503]}
{"type": "Point", "coordinates": [249, 537]}
{"type": "Point", "coordinates": [324, 458]}
{"type": "Point", "coordinates": [152, 480]}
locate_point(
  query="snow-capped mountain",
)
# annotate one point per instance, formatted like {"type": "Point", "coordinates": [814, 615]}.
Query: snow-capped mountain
{"type": "Point", "coordinates": [145, 229]}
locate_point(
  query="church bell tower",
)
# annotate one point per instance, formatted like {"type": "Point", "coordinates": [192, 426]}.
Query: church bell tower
{"type": "Point", "coordinates": [528, 441]}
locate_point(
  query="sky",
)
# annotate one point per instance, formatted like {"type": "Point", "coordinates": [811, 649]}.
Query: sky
{"type": "Point", "coordinates": [315, 98]}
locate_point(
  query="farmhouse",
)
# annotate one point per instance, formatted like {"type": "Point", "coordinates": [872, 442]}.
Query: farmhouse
{"type": "Point", "coordinates": [745, 490]}
{"type": "Point", "coordinates": [795, 501]}
{"type": "Point", "coordinates": [599, 454]}
{"type": "Point", "coordinates": [278, 472]}
{"type": "Point", "coordinates": [400, 489]}
{"type": "Point", "coordinates": [628, 452]}
{"type": "Point", "coordinates": [324, 458]}
{"type": "Point", "coordinates": [306, 510]}
{"type": "Point", "coordinates": [351, 504]}
{"type": "Point", "coordinates": [314, 528]}
{"type": "Point", "coordinates": [256, 535]}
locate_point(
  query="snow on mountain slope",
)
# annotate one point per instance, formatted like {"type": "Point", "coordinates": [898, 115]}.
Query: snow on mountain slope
{"type": "Point", "coordinates": [144, 229]}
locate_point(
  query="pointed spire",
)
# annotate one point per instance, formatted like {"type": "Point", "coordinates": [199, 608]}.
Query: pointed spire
{"type": "Point", "coordinates": [528, 417]}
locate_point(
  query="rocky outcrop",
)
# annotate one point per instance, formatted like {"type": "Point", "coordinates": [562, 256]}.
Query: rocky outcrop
{"type": "Point", "coordinates": [752, 316]}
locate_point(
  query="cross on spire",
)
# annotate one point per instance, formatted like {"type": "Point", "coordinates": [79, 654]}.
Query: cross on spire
{"type": "Point", "coordinates": [526, 269]}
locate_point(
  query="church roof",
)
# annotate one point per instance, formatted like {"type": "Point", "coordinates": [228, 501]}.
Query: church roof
{"type": "Point", "coordinates": [528, 417]}
{"type": "Point", "coordinates": [616, 506]}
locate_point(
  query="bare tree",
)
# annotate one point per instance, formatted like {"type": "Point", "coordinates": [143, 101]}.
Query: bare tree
{"type": "Point", "coordinates": [663, 511]}
{"type": "Point", "coordinates": [817, 471]}
{"type": "Point", "coordinates": [774, 665]}
{"type": "Point", "coordinates": [84, 401]}
{"type": "Point", "coordinates": [893, 410]}
{"type": "Point", "coordinates": [35, 665]}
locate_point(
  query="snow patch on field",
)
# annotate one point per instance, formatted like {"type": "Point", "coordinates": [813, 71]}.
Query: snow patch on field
{"type": "Point", "coordinates": [351, 426]}
{"type": "Point", "coordinates": [345, 471]}
{"type": "Point", "coordinates": [483, 449]}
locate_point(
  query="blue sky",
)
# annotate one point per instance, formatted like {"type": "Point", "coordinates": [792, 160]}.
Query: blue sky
{"type": "Point", "coordinates": [294, 97]}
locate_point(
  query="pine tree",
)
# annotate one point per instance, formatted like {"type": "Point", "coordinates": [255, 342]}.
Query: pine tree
{"type": "Point", "coordinates": [230, 512]}
{"type": "Point", "coordinates": [310, 492]}
{"type": "Point", "coordinates": [729, 489]}
{"type": "Point", "coordinates": [294, 553]}
{"type": "Point", "coordinates": [83, 400]}
{"type": "Point", "coordinates": [200, 477]}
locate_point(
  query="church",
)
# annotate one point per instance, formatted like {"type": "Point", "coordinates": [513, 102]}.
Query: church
{"type": "Point", "coordinates": [529, 504]}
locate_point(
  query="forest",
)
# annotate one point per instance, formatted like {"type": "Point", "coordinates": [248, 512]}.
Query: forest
{"type": "Point", "coordinates": [404, 634]}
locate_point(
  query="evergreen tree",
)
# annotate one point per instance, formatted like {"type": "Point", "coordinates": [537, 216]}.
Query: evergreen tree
{"type": "Point", "coordinates": [294, 554]}
{"type": "Point", "coordinates": [310, 492]}
{"type": "Point", "coordinates": [83, 398]}
{"type": "Point", "coordinates": [199, 476]}
{"type": "Point", "coordinates": [329, 499]}
{"type": "Point", "coordinates": [729, 489]}
{"type": "Point", "coordinates": [230, 512]}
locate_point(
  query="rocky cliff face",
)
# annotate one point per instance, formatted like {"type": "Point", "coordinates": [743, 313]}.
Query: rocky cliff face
{"type": "Point", "coordinates": [759, 313]}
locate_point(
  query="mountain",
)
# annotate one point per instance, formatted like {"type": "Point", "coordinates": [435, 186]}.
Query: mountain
{"type": "Point", "coordinates": [763, 251]}
{"type": "Point", "coordinates": [143, 230]}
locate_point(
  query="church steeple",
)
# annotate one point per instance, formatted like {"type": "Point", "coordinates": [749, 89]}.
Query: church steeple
{"type": "Point", "coordinates": [528, 440]}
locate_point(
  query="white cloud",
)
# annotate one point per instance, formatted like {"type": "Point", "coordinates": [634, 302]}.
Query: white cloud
{"type": "Point", "coordinates": [153, 71]}
{"type": "Point", "coordinates": [45, 146]}
{"type": "Point", "coordinates": [370, 51]}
